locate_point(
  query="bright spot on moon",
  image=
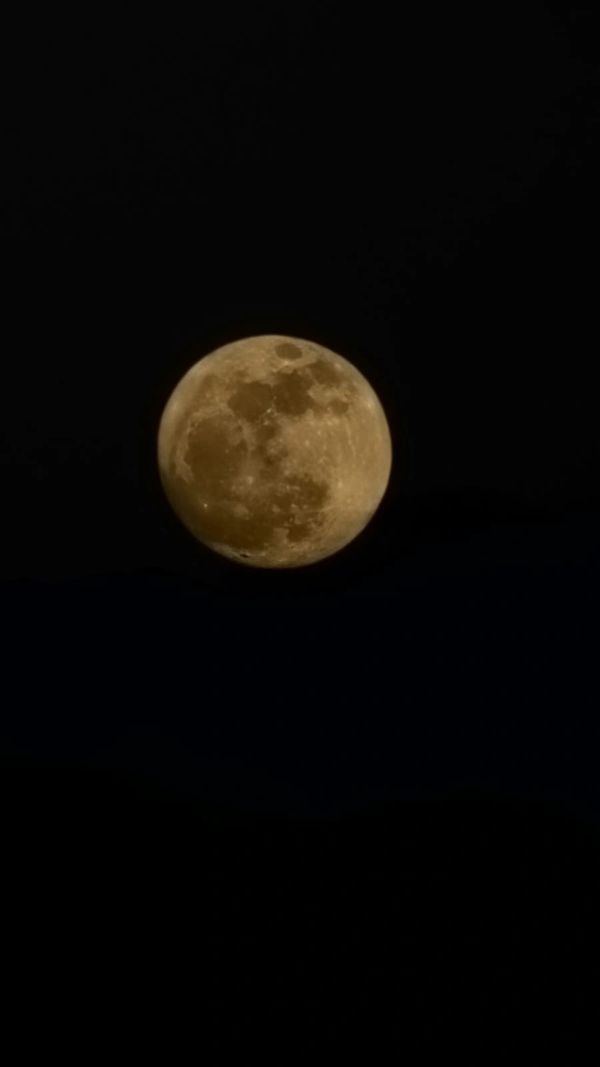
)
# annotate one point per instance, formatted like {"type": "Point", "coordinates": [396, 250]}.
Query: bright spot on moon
{"type": "Point", "coordinates": [274, 451]}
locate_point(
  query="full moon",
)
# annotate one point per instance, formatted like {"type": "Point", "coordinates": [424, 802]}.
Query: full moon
{"type": "Point", "coordinates": [274, 451]}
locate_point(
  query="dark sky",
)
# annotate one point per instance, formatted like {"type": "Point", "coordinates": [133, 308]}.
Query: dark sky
{"type": "Point", "coordinates": [417, 191]}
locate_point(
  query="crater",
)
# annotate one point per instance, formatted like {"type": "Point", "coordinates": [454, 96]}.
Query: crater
{"type": "Point", "coordinates": [286, 350]}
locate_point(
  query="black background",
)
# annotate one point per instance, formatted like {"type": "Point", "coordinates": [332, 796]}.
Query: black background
{"type": "Point", "coordinates": [354, 805]}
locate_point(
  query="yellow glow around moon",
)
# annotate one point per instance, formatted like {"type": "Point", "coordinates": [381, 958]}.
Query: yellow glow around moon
{"type": "Point", "coordinates": [274, 451]}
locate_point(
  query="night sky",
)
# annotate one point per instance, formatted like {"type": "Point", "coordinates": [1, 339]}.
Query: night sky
{"type": "Point", "coordinates": [357, 804]}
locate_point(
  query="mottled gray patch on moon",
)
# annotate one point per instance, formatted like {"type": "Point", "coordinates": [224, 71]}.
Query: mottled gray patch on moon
{"type": "Point", "coordinates": [290, 393]}
{"type": "Point", "coordinates": [265, 431]}
{"type": "Point", "coordinates": [251, 400]}
{"type": "Point", "coordinates": [338, 407]}
{"type": "Point", "coordinates": [324, 373]}
{"type": "Point", "coordinates": [286, 350]}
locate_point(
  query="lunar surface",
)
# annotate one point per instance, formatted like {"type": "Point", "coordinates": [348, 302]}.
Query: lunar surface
{"type": "Point", "coordinates": [274, 451]}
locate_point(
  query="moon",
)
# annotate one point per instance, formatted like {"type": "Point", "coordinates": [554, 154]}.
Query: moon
{"type": "Point", "coordinates": [274, 451]}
